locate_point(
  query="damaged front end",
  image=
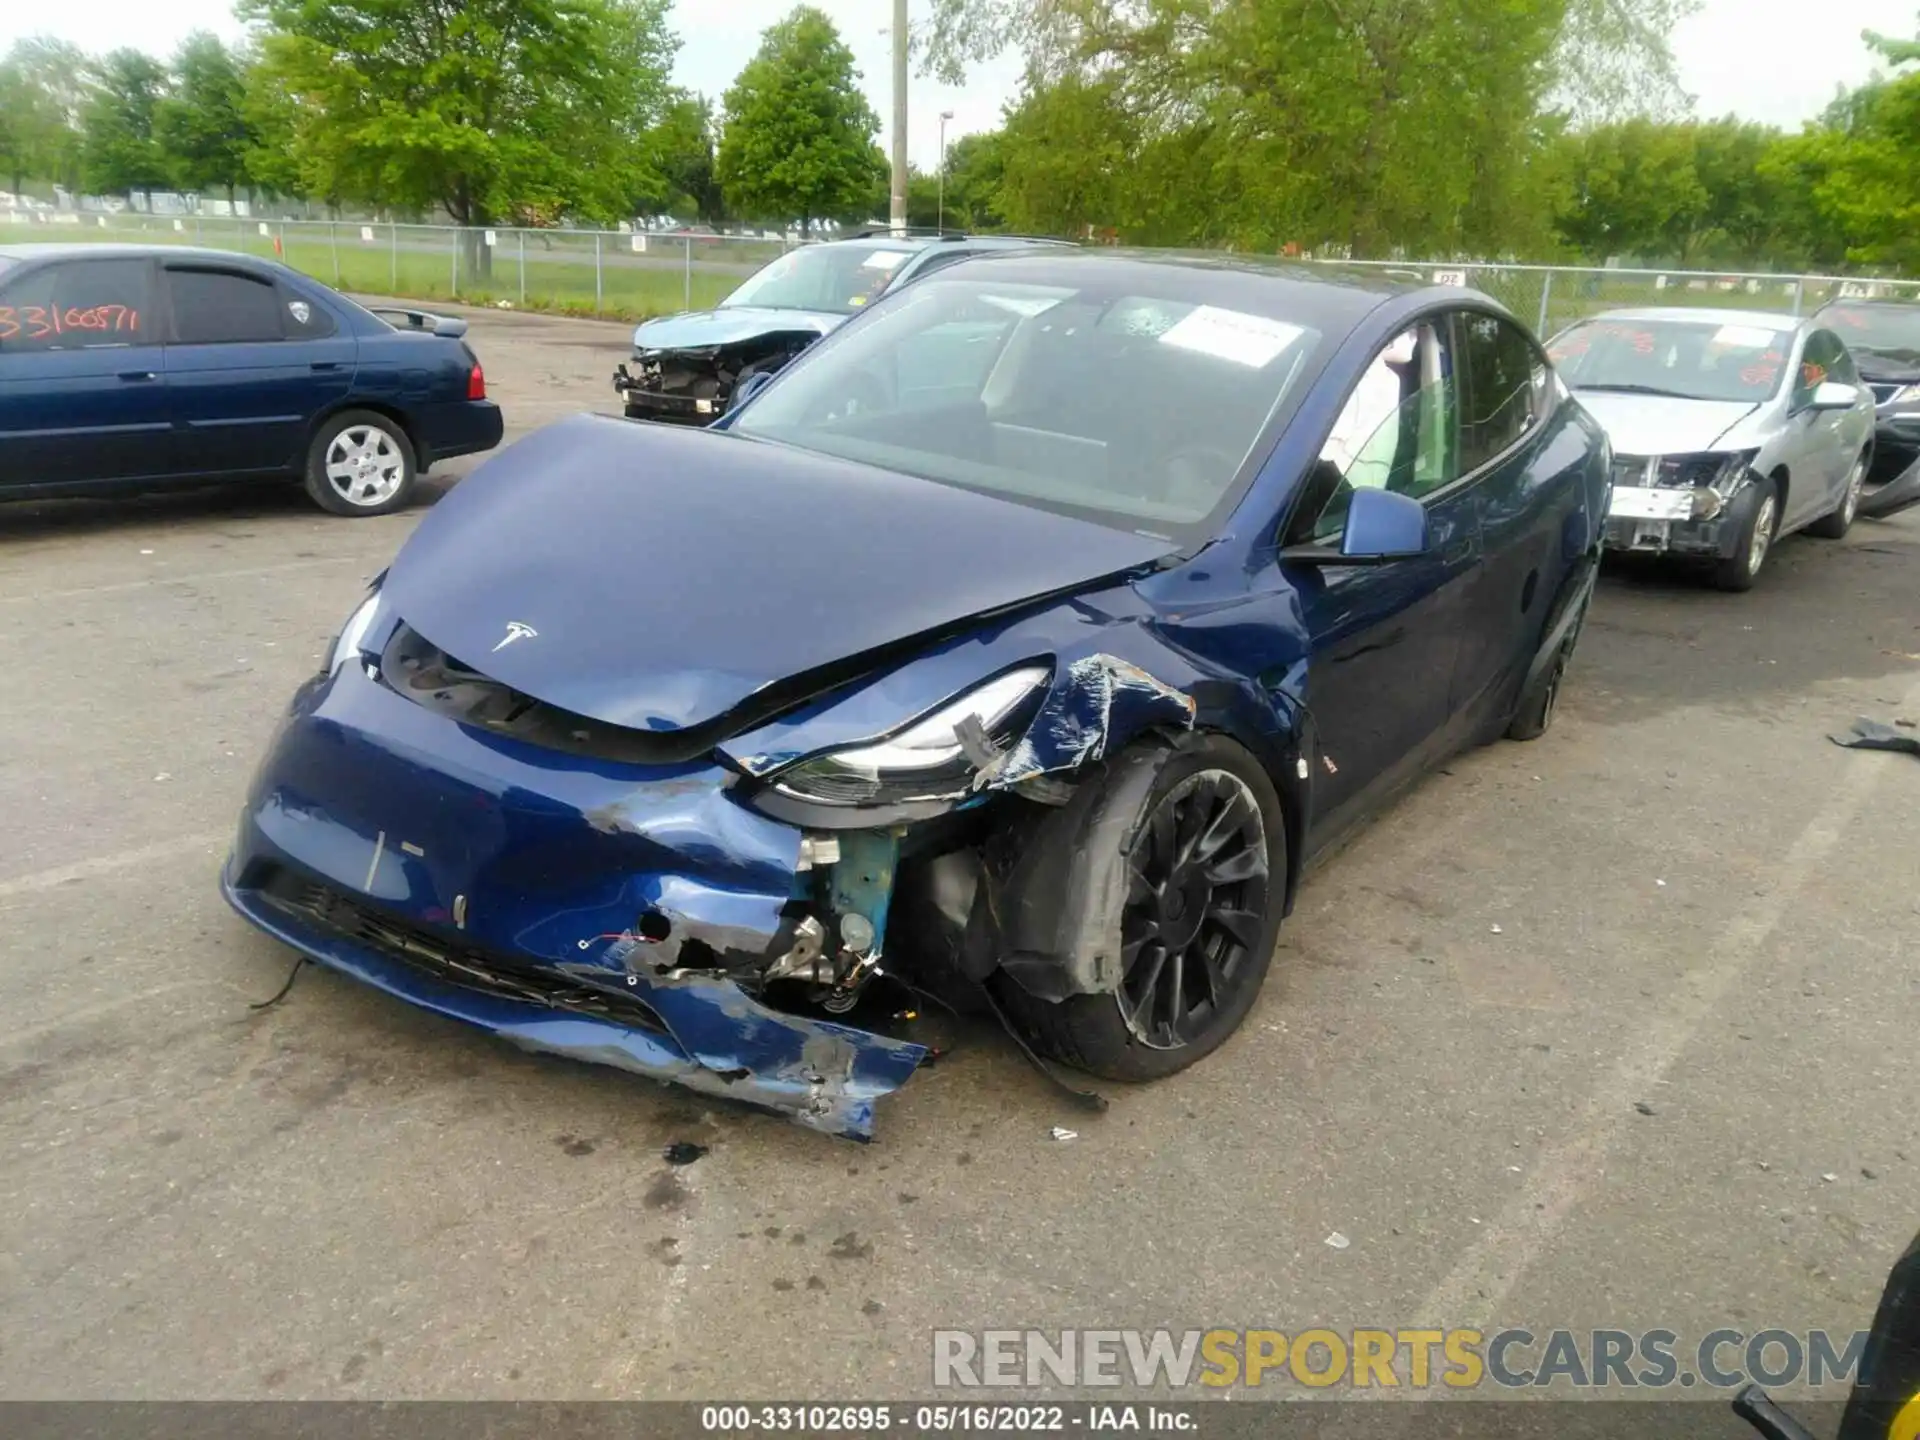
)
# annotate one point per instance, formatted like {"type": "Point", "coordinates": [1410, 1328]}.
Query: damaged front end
{"type": "Point", "coordinates": [597, 893]}
{"type": "Point", "coordinates": [1683, 505]}
{"type": "Point", "coordinates": [694, 385]}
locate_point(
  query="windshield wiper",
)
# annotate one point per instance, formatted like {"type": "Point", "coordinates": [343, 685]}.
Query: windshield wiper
{"type": "Point", "coordinates": [1639, 390]}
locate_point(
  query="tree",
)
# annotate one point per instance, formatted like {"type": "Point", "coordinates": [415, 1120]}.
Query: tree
{"type": "Point", "coordinates": [118, 152]}
{"type": "Point", "coordinates": [976, 168]}
{"type": "Point", "coordinates": [201, 124]}
{"type": "Point", "coordinates": [1066, 153]}
{"type": "Point", "coordinates": [1635, 192]}
{"type": "Point", "coordinates": [484, 109]}
{"type": "Point", "coordinates": [798, 143]}
{"type": "Point", "coordinates": [42, 89]}
{"type": "Point", "coordinates": [683, 145]}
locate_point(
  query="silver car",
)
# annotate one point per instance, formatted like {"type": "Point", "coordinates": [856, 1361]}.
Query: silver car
{"type": "Point", "coordinates": [1730, 429]}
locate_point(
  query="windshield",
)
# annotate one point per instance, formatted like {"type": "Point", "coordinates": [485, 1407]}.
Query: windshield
{"type": "Point", "coordinates": [838, 279]}
{"type": "Point", "coordinates": [1689, 359]}
{"type": "Point", "coordinates": [1133, 410]}
{"type": "Point", "coordinates": [1889, 330]}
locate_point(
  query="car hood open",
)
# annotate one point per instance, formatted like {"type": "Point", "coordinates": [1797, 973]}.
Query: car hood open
{"type": "Point", "coordinates": [655, 578]}
{"type": "Point", "coordinates": [702, 329]}
{"type": "Point", "coordinates": [1661, 424]}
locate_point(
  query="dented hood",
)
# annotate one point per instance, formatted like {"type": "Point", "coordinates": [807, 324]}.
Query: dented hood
{"type": "Point", "coordinates": [702, 329]}
{"type": "Point", "coordinates": [654, 577]}
{"type": "Point", "coordinates": [1662, 424]}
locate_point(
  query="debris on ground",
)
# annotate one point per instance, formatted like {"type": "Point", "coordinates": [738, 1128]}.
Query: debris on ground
{"type": "Point", "coordinates": [1060, 1132]}
{"type": "Point", "coordinates": [1830, 1177]}
{"type": "Point", "coordinates": [1338, 1241]}
{"type": "Point", "coordinates": [1872, 735]}
{"type": "Point", "coordinates": [682, 1152]}
{"type": "Point", "coordinates": [1498, 931]}
{"type": "Point", "coordinates": [1643, 1107]}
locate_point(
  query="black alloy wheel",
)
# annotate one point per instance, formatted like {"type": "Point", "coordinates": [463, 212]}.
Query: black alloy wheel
{"type": "Point", "coordinates": [1196, 907]}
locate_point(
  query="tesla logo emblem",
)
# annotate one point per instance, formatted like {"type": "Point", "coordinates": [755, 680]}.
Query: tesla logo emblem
{"type": "Point", "coordinates": [516, 630]}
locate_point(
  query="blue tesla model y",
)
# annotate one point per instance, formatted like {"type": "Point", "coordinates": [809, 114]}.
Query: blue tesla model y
{"type": "Point", "coordinates": [1023, 640]}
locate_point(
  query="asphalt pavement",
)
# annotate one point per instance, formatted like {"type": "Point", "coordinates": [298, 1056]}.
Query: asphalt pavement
{"type": "Point", "coordinates": [1614, 1029]}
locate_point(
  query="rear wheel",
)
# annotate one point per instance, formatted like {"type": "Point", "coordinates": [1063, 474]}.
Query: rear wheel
{"type": "Point", "coordinates": [1740, 569]}
{"type": "Point", "coordinates": [361, 463]}
{"type": "Point", "coordinates": [1835, 524]}
{"type": "Point", "coordinates": [1535, 713]}
{"type": "Point", "coordinates": [1206, 883]}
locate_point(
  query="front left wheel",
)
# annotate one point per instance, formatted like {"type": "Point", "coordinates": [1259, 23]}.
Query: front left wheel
{"type": "Point", "coordinates": [1206, 861]}
{"type": "Point", "coordinates": [361, 463]}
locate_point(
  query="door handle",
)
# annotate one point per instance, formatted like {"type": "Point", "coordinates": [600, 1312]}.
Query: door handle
{"type": "Point", "coordinates": [1456, 551]}
{"type": "Point", "coordinates": [138, 375]}
{"type": "Point", "coordinates": [326, 365]}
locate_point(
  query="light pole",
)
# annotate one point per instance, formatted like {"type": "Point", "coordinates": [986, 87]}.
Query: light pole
{"type": "Point", "coordinates": [941, 220]}
{"type": "Point", "coordinates": [898, 201]}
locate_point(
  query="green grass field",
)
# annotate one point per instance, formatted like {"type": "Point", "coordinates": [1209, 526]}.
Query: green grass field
{"type": "Point", "coordinates": [558, 269]}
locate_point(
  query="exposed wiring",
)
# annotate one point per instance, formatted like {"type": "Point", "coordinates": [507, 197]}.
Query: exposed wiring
{"type": "Point", "coordinates": [281, 993]}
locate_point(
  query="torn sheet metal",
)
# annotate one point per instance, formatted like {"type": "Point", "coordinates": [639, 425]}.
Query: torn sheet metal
{"type": "Point", "coordinates": [713, 1037]}
{"type": "Point", "coordinates": [1091, 700]}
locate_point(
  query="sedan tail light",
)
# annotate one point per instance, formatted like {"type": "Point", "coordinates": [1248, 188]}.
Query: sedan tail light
{"type": "Point", "coordinates": [476, 382]}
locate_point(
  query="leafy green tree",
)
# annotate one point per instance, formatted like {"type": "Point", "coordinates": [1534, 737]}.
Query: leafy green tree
{"type": "Point", "coordinates": [275, 120]}
{"type": "Point", "coordinates": [683, 155]}
{"type": "Point", "coordinates": [976, 167]}
{"type": "Point", "coordinates": [1361, 126]}
{"type": "Point", "coordinates": [484, 109]}
{"type": "Point", "coordinates": [201, 124]}
{"type": "Point", "coordinates": [42, 88]}
{"type": "Point", "coordinates": [798, 143]}
{"type": "Point", "coordinates": [1067, 149]}
{"type": "Point", "coordinates": [1635, 192]}
{"type": "Point", "coordinates": [118, 152]}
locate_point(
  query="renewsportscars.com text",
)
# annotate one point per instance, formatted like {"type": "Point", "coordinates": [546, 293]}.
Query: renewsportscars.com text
{"type": "Point", "coordinates": [1363, 1358]}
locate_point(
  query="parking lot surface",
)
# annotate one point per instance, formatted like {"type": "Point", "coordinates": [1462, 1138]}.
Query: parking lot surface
{"type": "Point", "coordinates": [1615, 1029]}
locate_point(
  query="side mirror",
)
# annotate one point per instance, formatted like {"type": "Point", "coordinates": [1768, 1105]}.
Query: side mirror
{"type": "Point", "coordinates": [1832, 395]}
{"type": "Point", "coordinates": [1382, 527]}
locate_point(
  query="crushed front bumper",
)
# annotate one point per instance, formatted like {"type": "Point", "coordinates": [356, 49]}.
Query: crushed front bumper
{"type": "Point", "coordinates": [644, 398]}
{"type": "Point", "coordinates": [515, 889]}
{"type": "Point", "coordinates": [1660, 520]}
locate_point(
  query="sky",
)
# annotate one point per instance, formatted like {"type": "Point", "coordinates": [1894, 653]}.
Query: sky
{"type": "Point", "coordinates": [1776, 61]}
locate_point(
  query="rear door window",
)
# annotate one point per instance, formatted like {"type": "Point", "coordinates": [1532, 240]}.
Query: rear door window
{"type": "Point", "coordinates": [1506, 383]}
{"type": "Point", "coordinates": [305, 319]}
{"type": "Point", "coordinates": [222, 307]}
{"type": "Point", "coordinates": [78, 304]}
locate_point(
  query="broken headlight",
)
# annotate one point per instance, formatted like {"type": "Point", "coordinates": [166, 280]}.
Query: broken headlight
{"type": "Point", "coordinates": [1720, 470]}
{"type": "Point", "coordinates": [934, 758]}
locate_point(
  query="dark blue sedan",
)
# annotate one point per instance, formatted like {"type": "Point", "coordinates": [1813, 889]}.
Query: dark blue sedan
{"type": "Point", "coordinates": [1036, 677]}
{"type": "Point", "coordinates": [144, 366]}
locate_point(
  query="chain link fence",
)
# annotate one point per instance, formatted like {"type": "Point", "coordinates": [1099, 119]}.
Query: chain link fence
{"type": "Point", "coordinates": [635, 274]}
{"type": "Point", "coordinates": [632, 274]}
{"type": "Point", "coordinates": [1550, 298]}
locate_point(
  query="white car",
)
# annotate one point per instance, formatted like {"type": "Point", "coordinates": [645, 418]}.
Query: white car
{"type": "Point", "coordinates": [1730, 429]}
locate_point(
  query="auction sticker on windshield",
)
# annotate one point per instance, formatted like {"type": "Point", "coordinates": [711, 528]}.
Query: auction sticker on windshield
{"type": "Point", "coordinates": [1250, 340]}
{"type": "Point", "coordinates": [1745, 337]}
